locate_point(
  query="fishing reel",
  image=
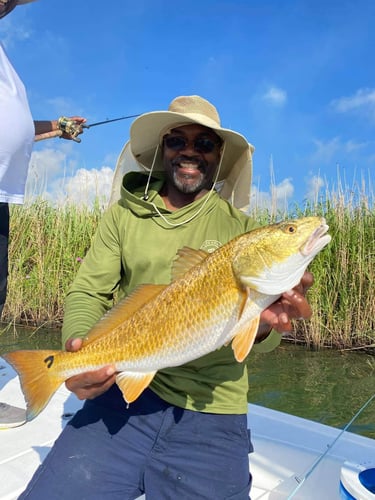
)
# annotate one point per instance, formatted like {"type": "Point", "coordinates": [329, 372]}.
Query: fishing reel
{"type": "Point", "coordinates": [70, 127]}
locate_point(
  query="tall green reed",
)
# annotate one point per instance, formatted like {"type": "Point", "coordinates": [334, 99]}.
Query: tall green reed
{"type": "Point", "coordinates": [47, 245]}
{"type": "Point", "coordinates": [342, 302]}
{"type": "Point", "coordinates": [342, 298]}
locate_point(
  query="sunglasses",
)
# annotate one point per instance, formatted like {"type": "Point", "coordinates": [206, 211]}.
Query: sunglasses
{"type": "Point", "coordinates": [201, 144]}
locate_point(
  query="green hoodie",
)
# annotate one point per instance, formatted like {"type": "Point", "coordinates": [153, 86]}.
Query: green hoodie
{"type": "Point", "coordinates": [135, 245]}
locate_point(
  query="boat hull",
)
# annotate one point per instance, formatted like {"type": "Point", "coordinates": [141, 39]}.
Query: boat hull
{"type": "Point", "coordinates": [286, 448]}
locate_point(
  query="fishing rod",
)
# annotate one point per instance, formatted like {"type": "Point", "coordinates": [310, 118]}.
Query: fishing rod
{"type": "Point", "coordinates": [301, 480]}
{"type": "Point", "coordinates": [109, 121]}
{"type": "Point", "coordinates": [73, 128]}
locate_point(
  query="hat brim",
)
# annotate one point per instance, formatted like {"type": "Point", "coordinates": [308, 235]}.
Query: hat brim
{"type": "Point", "coordinates": [145, 136]}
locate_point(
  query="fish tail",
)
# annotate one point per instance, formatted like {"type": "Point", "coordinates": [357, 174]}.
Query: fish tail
{"type": "Point", "coordinates": [38, 380]}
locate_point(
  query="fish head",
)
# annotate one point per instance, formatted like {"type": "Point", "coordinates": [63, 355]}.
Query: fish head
{"type": "Point", "coordinates": [272, 259]}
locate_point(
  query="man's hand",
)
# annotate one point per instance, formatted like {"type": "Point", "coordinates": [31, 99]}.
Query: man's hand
{"type": "Point", "coordinates": [291, 305]}
{"type": "Point", "coordinates": [71, 127]}
{"type": "Point", "coordinates": [65, 128]}
{"type": "Point", "coordinates": [90, 384]}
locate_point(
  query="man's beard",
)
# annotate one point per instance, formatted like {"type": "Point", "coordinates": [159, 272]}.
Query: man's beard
{"type": "Point", "coordinates": [187, 186]}
{"type": "Point", "coordinates": [184, 183]}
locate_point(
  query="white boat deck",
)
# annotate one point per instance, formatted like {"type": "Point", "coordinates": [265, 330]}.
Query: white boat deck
{"type": "Point", "coordinates": [285, 447]}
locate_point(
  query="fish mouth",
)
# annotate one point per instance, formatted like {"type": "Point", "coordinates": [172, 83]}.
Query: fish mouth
{"type": "Point", "coordinates": [318, 240]}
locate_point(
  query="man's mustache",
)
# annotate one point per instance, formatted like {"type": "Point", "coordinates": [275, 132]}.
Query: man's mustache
{"type": "Point", "coordinates": [201, 164]}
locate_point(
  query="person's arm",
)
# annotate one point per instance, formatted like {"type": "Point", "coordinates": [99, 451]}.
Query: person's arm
{"type": "Point", "coordinates": [89, 297]}
{"type": "Point", "coordinates": [91, 294]}
{"type": "Point", "coordinates": [45, 129]}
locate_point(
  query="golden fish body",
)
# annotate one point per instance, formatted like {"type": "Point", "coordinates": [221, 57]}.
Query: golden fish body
{"type": "Point", "coordinates": [214, 299]}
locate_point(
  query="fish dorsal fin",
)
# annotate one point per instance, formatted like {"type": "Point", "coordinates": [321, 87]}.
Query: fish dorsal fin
{"type": "Point", "coordinates": [123, 310]}
{"type": "Point", "coordinates": [133, 384]}
{"type": "Point", "coordinates": [244, 339]}
{"type": "Point", "coordinates": [186, 259]}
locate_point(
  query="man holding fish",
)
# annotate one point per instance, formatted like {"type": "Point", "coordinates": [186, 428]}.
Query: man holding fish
{"type": "Point", "coordinates": [179, 431]}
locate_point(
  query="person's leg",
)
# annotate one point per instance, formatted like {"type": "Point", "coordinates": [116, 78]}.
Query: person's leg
{"type": "Point", "coordinates": [200, 456]}
{"type": "Point", "coordinates": [4, 239]}
{"type": "Point", "coordinates": [10, 416]}
{"type": "Point", "coordinates": [101, 453]}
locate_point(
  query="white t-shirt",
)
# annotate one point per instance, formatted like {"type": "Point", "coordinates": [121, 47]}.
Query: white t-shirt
{"type": "Point", "coordinates": [16, 133]}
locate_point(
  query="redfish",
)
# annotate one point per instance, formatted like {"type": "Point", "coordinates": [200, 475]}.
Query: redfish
{"type": "Point", "coordinates": [214, 299]}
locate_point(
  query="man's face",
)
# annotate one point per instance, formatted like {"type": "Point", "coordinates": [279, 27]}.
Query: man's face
{"type": "Point", "coordinates": [191, 155]}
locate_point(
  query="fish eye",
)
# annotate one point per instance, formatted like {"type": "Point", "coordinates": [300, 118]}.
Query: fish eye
{"type": "Point", "coordinates": [290, 228]}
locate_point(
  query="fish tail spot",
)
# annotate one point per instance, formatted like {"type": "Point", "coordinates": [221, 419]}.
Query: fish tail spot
{"type": "Point", "coordinates": [49, 361]}
{"type": "Point", "coordinates": [38, 381]}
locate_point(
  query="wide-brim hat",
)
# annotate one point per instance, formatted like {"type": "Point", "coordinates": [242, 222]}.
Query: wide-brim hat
{"type": "Point", "coordinates": [147, 131]}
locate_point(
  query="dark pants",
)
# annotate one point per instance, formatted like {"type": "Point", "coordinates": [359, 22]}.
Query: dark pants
{"type": "Point", "coordinates": [151, 447]}
{"type": "Point", "coordinates": [4, 239]}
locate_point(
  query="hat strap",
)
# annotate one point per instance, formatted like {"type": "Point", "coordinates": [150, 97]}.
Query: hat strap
{"type": "Point", "coordinates": [145, 196]}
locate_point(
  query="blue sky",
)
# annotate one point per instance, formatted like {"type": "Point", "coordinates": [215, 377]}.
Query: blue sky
{"type": "Point", "coordinates": [296, 77]}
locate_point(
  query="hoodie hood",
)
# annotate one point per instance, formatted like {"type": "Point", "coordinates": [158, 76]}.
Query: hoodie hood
{"type": "Point", "coordinates": [132, 197]}
{"type": "Point", "coordinates": [235, 188]}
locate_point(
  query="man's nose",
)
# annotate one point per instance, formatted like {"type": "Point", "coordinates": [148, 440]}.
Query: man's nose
{"type": "Point", "coordinates": [190, 147]}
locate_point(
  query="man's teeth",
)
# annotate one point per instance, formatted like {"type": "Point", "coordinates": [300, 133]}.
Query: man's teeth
{"type": "Point", "coordinates": [188, 165]}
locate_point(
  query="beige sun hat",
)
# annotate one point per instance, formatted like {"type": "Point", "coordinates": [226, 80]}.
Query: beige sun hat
{"type": "Point", "coordinates": [146, 135]}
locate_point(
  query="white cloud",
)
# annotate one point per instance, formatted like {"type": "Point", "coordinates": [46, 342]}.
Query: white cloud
{"type": "Point", "coordinates": [89, 185]}
{"type": "Point", "coordinates": [11, 33]}
{"type": "Point", "coordinates": [64, 105]}
{"type": "Point", "coordinates": [314, 185]}
{"type": "Point", "coordinates": [284, 190]}
{"type": "Point", "coordinates": [328, 152]}
{"type": "Point", "coordinates": [354, 146]}
{"type": "Point", "coordinates": [325, 151]}
{"type": "Point", "coordinates": [276, 96]}
{"type": "Point", "coordinates": [44, 166]}
{"type": "Point", "coordinates": [53, 175]}
{"type": "Point", "coordinates": [274, 200]}
{"type": "Point", "coordinates": [362, 101]}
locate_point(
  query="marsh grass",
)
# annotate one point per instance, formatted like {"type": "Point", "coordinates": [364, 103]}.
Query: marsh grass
{"type": "Point", "coordinates": [342, 297]}
{"type": "Point", "coordinates": [48, 244]}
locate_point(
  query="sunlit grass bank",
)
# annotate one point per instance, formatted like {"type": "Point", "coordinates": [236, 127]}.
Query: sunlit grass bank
{"type": "Point", "coordinates": [48, 244]}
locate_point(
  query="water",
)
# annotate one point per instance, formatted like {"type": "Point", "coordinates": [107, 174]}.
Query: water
{"type": "Point", "coordinates": [326, 386]}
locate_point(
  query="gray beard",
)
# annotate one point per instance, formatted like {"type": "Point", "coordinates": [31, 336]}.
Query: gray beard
{"type": "Point", "coordinates": [189, 188]}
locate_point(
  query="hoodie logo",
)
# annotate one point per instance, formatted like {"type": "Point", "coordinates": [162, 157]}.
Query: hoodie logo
{"type": "Point", "coordinates": [210, 245]}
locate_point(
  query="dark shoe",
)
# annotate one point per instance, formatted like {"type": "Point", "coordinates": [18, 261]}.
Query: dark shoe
{"type": "Point", "coordinates": [11, 416]}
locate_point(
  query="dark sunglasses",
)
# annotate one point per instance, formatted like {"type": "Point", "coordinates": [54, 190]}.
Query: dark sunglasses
{"type": "Point", "coordinates": [201, 144]}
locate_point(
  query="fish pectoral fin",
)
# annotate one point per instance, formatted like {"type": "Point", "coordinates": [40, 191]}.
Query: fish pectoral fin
{"type": "Point", "coordinates": [186, 259]}
{"type": "Point", "coordinates": [132, 384]}
{"type": "Point", "coordinates": [244, 296]}
{"type": "Point", "coordinates": [244, 339]}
